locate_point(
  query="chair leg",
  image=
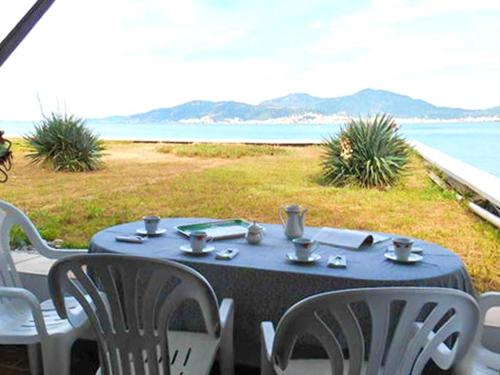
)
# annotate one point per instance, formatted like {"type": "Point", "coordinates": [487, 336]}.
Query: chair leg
{"type": "Point", "coordinates": [56, 353]}
{"type": "Point", "coordinates": [266, 368]}
{"type": "Point", "coordinates": [226, 349]}
{"type": "Point", "coordinates": [35, 359]}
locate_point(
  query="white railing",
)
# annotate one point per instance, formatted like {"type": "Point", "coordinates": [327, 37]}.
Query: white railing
{"type": "Point", "coordinates": [482, 183]}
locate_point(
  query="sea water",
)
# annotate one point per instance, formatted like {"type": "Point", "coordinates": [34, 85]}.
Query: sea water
{"type": "Point", "coordinates": [476, 143]}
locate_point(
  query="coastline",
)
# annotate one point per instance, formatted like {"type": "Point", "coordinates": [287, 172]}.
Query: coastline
{"type": "Point", "coordinates": [472, 142]}
{"type": "Point", "coordinates": [306, 119]}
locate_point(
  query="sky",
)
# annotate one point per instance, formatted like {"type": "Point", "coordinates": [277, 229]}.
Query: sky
{"type": "Point", "coordinates": [98, 58]}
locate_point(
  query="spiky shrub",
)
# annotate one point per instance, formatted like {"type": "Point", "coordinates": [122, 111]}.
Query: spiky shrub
{"type": "Point", "coordinates": [65, 143]}
{"type": "Point", "coordinates": [366, 152]}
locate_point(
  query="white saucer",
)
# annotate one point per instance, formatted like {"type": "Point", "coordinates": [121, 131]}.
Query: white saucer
{"type": "Point", "coordinates": [313, 258]}
{"type": "Point", "coordinates": [188, 250]}
{"type": "Point", "coordinates": [414, 249]}
{"type": "Point", "coordinates": [143, 232]}
{"type": "Point", "coordinates": [414, 258]}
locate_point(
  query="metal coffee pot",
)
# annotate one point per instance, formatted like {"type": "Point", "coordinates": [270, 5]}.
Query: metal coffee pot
{"type": "Point", "coordinates": [294, 223]}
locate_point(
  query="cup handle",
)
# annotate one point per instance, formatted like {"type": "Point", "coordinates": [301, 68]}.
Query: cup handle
{"type": "Point", "coordinates": [280, 213]}
{"type": "Point", "coordinates": [210, 239]}
{"type": "Point", "coordinates": [316, 246]}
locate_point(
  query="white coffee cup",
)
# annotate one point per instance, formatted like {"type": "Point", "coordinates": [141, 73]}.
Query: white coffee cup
{"type": "Point", "coordinates": [151, 223]}
{"type": "Point", "coordinates": [198, 241]}
{"type": "Point", "coordinates": [304, 248]}
{"type": "Point", "coordinates": [402, 247]}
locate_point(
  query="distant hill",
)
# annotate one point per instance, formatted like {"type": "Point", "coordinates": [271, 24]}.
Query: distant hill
{"type": "Point", "coordinates": [218, 111]}
{"type": "Point", "coordinates": [371, 101]}
{"type": "Point", "coordinates": [301, 106]}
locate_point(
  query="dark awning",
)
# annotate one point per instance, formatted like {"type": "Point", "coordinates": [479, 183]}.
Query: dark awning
{"type": "Point", "coordinates": [23, 27]}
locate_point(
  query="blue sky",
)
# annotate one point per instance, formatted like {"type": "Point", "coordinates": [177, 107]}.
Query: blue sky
{"type": "Point", "coordinates": [99, 58]}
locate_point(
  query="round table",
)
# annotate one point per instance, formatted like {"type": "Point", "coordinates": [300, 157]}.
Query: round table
{"type": "Point", "coordinates": [264, 284]}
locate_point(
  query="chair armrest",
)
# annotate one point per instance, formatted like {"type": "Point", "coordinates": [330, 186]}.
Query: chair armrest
{"type": "Point", "coordinates": [52, 253]}
{"type": "Point", "coordinates": [226, 313]}
{"type": "Point", "coordinates": [17, 217]}
{"type": "Point", "coordinates": [488, 336]}
{"type": "Point", "coordinates": [34, 305]}
{"type": "Point", "coordinates": [267, 339]}
{"type": "Point", "coordinates": [487, 301]}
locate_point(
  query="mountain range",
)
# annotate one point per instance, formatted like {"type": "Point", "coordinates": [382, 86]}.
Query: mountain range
{"type": "Point", "coordinates": [300, 107]}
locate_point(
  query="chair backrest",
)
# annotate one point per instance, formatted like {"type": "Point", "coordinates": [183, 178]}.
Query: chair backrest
{"type": "Point", "coordinates": [9, 216]}
{"type": "Point", "coordinates": [406, 326]}
{"type": "Point", "coordinates": [129, 301]}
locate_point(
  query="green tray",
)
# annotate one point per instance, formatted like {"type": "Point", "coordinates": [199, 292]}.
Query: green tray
{"type": "Point", "coordinates": [218, 230]}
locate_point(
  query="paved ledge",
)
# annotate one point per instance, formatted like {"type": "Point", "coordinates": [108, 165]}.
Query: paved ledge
{"type": "Point", "coordinates": [22, 256]}
{"type": "Point", "coordinates": [33, 270]}
{"type": "Point", "coordinates": [32, 263]}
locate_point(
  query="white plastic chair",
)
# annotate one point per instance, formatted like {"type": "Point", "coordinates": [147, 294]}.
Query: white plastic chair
{"type": "Point", "coordinates": [26, 321]}
{"type": "Point", "coordinates": [132, 301]}
{"type": "Point", "coordinates": [428, 317]}
{"type": "Point", "coordinates": [484, 358]}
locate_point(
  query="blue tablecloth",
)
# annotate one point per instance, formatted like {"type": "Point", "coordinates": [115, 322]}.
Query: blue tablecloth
{"type": "Point", "coordinates": [264, 284]}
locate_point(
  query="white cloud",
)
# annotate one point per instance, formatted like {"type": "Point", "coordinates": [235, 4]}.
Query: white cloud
{"type": "Point", "coordinates": [124, 56]}
{"type": "Point", "coordinates": [109, 57]}
{"type": "Point", "coordinates": [387, 46]}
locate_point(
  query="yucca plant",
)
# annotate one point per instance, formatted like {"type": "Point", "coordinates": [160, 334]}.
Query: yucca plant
{"type": "Point", "coordinates": [366, 152]}
{"type": "Point", "coordinates": [65, 143]}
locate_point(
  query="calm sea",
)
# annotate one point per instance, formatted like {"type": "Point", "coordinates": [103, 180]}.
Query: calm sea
{"type": "Point", "coordinates": [474, 143]}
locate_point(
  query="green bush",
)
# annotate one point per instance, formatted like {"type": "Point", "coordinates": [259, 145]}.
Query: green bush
{"type": "Point", "coordinates": [65, 143]}
{"type": "Point", "coordinates": [366, 152]}
{"type": "Point", "coordinates": [18, 238]}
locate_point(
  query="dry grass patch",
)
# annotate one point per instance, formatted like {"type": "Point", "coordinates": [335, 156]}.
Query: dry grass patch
{"type": "Point", "coordinates": [138, 179]}
{"type": "Point", "coordinates": [224, 151]}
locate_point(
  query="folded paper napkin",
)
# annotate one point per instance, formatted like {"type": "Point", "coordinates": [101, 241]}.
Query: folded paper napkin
{"type": "Point", "coordinates": [224, 231]}
{"type": "Point", "coordinates": [130, 239]}
{"type": "Point", "coordinates": [350, 239]}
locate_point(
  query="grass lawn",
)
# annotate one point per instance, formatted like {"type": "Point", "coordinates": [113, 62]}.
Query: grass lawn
{"type": "Point", "coordinates": [243, 181]}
